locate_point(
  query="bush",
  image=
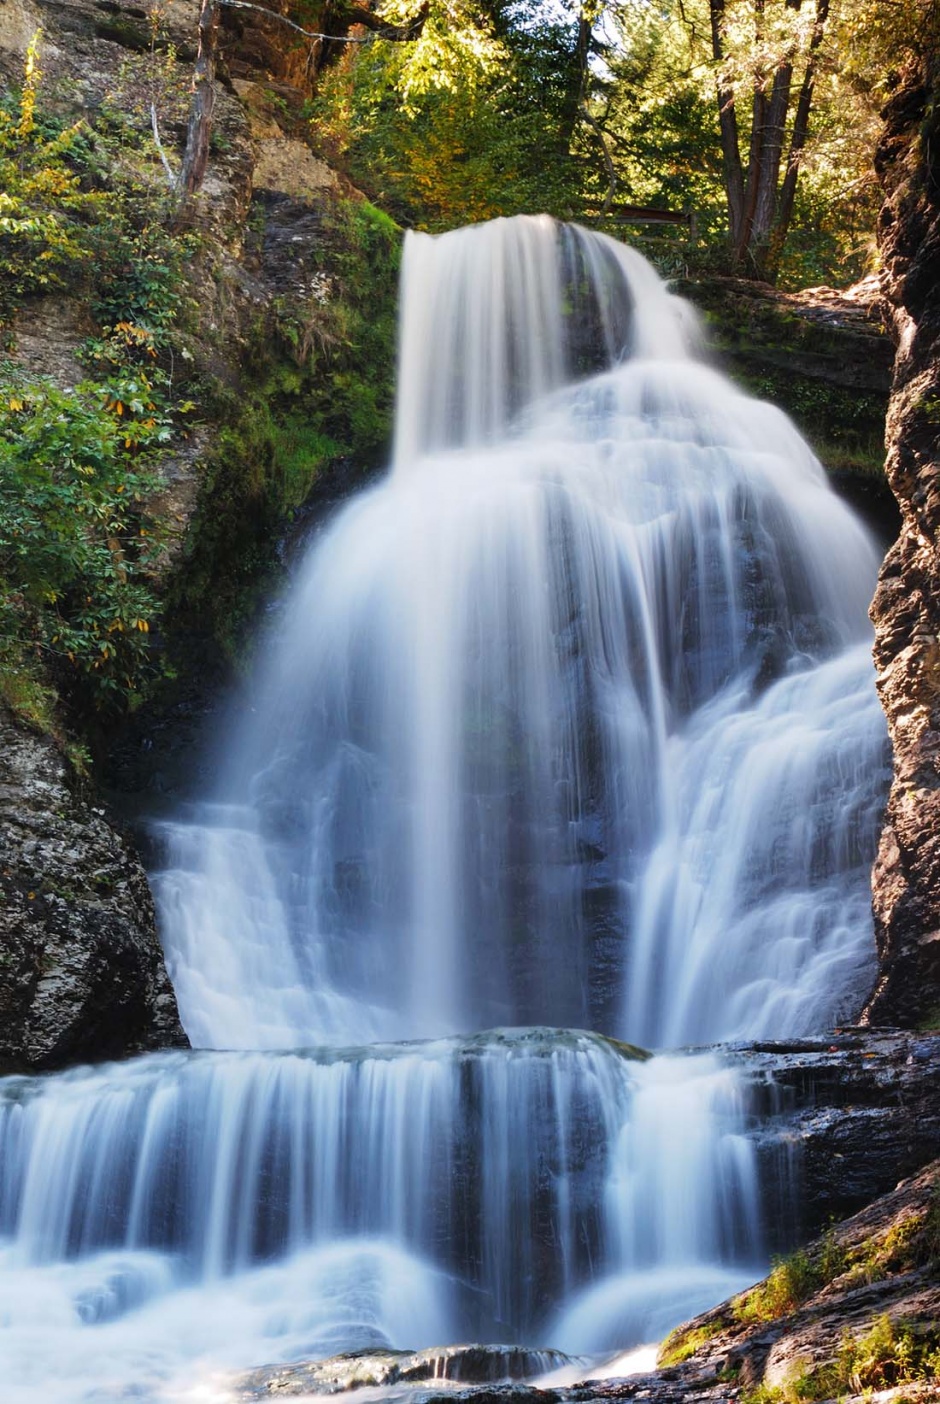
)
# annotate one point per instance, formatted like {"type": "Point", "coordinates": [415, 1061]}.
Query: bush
{"type": "Point", "coordinates": [78, 466]}
{"type": "Point", "coordinates": [76, 539]}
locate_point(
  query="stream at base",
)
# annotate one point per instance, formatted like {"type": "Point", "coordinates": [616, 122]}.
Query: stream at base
{"type": "Point", "coordinates": [569, 724]}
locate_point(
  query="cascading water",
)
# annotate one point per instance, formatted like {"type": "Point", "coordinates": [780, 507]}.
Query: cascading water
{"type": "Point", "coordinates": [569, 722]}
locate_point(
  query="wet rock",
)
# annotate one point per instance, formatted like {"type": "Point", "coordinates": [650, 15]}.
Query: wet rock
{"type": "Point", "coordinates": [844, 1118]}
{"type": "Point", "coordinates": [906, 608]}
{"type": "Point", "coordinates": [81, 970]}
{"type": "Point", "coordinates": [473, 1364]}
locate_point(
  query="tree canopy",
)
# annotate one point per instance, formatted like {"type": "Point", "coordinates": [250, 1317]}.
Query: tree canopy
{"type": "Point", "coordinates": [756, 117]}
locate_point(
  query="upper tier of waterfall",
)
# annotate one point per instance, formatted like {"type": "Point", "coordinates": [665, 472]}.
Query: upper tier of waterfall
{"type": "Point", "coordinates": [570, 719]}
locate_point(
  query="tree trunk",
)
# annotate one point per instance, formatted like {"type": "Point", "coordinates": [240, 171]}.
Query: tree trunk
{"type": "Point", "coordinates": [728, 123]}
{"type": "Point", "coordinates": [768, 172]}
{"type": "Point", "coordinates": [758, 124]}
{"type": "Point", "coordinates": [797, 140]}
{"type": "Point", "coordinates": [196, 155]}
{"type": "Point", "coordinates": [575, 82]}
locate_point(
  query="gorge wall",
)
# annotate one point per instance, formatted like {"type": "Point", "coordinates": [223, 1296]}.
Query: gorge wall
{"type": "Point", "coordinates": [906, 609]}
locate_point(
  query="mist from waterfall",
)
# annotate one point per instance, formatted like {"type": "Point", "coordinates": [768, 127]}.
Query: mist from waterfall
{"type": "Point", "coordinates": [568, 724]}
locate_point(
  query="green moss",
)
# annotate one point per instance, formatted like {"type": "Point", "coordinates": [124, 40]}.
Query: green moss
{"type": "Point", "coordinates": [930, 1021]}
{"type": "Point", "coordinates": [300, 453]}
{"type": "Point", "coordinates": [631, 1050]}
{"type": "Point", "coordinates": [25, 690]}
{"type": "Point", "coordinates": [845, 427]}
{"type": "Point", "coordinates": [802, 364]}
{"type": "Point", "coordinates": [317, 391]}
{"type": "Point", "coordinates": [682, 1343]}
{"type": "Point", "coordinates": [130, 33]}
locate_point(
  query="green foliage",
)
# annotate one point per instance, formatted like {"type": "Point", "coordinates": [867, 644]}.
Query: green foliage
{"type": "Point", "coordinates": [890, 1353]}
{"type": "Point", "coordinates": [318, 393]}
{"type": "Point", "coordinates": [44, 213]}
{"type": "Point", "coordinates": [78, 543]}
{"type": "Point", "coordinates": [682, 1344]}
{"type": "Point", "coordinates": [791, 1281]}
{"type": "Point", "coordinates": [930, 1242]}
{"type": "Point", "coordinates": [506, 112]}
{"type": "Point", "coordinates": [75, 537]}
{"type": "Point", "coordinates": [489, 141]}
{"type": "Point", "coordinates": [350, 370]}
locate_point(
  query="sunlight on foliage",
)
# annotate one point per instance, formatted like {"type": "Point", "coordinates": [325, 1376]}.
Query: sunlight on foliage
{"type": "Point", "coordinates": [75, 536]}
{"type": "Point", "coordinates": [78, 541]}
{"type": "Point", "coordinates": [516, 112]}
{"type": "Point", "coordinates": [453, 52]}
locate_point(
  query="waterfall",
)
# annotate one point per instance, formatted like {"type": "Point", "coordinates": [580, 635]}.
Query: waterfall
{"type": "Point", "coordinates": [569, 721]}
{"type": "Point", "coordinates": [567, 724]}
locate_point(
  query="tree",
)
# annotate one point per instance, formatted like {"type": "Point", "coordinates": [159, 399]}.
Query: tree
{"type": "Point", "coordinates": [776, 50]}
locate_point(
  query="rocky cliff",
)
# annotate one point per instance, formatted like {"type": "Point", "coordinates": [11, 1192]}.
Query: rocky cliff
{"type": "Point", "coordinates": [906, 609]}
{"type": "Point", "coordinates": [81, 970]}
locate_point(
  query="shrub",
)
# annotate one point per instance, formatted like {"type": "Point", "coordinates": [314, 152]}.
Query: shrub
{"type": "Point", "coordinates": [75, 535]}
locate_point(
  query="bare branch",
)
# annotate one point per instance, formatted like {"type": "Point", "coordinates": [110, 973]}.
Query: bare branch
{"type": "Point", "coordinates": [354, 15]}
{"type": "Point", "coordinates": [171, 178]}
{"type": "Point", "coordinates": [608, 159]}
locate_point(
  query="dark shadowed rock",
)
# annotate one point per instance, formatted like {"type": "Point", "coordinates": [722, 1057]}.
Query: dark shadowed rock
{"type": "Point", "coordinates": [842, 1119]}
{"type": "Point", "coordinates": [81, 970]}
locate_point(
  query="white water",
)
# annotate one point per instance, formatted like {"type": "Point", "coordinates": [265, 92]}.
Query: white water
{"type": "Point", "coordinates": [570, 721]}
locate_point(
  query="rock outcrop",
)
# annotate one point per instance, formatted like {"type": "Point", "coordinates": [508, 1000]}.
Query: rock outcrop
{"type": "Point", "coordinates": [906, 609]}
{"type": "Point", "coordinates": [383, 1369]}
{"type": "Point", "coordinates": [81, 970]}
{"type": "Point", "coordinates": [842, 1119]}
{"type": "Point", "coordinates": [877, 1272]}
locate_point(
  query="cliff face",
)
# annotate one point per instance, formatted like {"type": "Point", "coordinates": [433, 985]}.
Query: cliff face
{"type": "Point", "coordinates": [906, 609]}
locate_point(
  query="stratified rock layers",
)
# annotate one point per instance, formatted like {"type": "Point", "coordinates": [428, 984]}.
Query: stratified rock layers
{"type": "Point", "coordinates": [81, 970]}
{"type": "Point", "coordinates": [906, 609]}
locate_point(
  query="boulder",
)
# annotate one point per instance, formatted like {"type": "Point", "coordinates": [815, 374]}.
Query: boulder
{"type": "Point", "coordinates": [81, 969]}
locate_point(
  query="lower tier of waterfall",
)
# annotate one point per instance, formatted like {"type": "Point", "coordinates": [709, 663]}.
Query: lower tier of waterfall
{"type": "Point", "coordinates": [163, 1219]}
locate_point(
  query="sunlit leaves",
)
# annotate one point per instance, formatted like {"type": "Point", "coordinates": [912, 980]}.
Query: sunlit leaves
{"type": "Point", "coordinates": [455, 49]}
{"type": "Point", "coordinates": [75, 532]}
